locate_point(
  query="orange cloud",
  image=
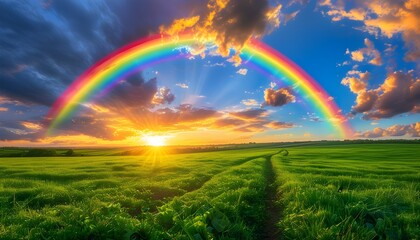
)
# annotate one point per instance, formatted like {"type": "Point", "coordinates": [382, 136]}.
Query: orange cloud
{"type": "Point", "coordinates": [279, 125]}
{"type": "Point", "coordinates": [399, 93]}
{"type": "Point", "coordinates": [356, 80]}
{"type": "Point", "coordinates": [229, 24]}
{"type": "Point", "coordinates": [162, 96]}
{"type": "Point", "coordinates": [410, 130]}
{"type": "Point", "coordinates": [277, 98]}
{"type": "Point", "coordinates": [369, 53]}
{"type": "Point", "coordinates": [250, 102]}
{"type": "Point", "coordinates": [31, 125]}
{"type": "Point", "coordinates": [386, 18]}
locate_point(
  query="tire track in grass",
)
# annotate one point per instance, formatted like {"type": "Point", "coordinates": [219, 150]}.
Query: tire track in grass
{"type": "Point", "coordinates": [238, 163]}
{"type": "Point", "coordinates": [230, 206]}
{"type": "Point", "coordinates": [160, 197]}
{"type": "Point", "coordinates": [273, 210]}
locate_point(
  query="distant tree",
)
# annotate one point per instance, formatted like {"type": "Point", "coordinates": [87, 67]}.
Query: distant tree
{"type": "Point", "coordinates": [41, 153]}
{"type": "Point", "coordinates": [69, 152]}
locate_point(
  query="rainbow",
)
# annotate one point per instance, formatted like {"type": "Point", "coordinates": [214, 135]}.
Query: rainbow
{"type": "Point", "coordinates": [160, 48]}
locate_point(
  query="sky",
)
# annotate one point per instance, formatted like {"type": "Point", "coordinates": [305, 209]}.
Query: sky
{"type": "Point", "coordinates": [364, 54]}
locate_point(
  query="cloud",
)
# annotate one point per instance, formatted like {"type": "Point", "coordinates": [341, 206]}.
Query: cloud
{"type": "Point", "coordinates": [261, 126]}
{"type": "Point", "coordinates": [252, 128]}
{"type": "Point", "coordinates": [280, 125]}
{"type": "Point", "coordinates": [4, 109]}
{"type": "Point", "coordinates": [133, 92]}
{"type": "Point", "coordinates": [399, 93]}
{"type": "Point", "coordinates": [242, 71]}
{"type": "Point", "coordinates": [249, 120]}
{"type": "Point", "coordinates": [410, 130]}
{"type": "Point", "coordinates": [249, 114]}
{"type": "Point", "coordinates": [49, 47]}
{"type": "Point", "coordinates": [312, 117]}
{"type": "Point", "coordinates": [369, 53]}
{"type": "Point", "coordinates": [185, 116]}
{"type": "Point", "coordinates": [20, 130]}
{"type": "Point", "coordinates": [163, 96]}
{"type": "Point", "coordinates": [94, 126]}
{"type": "Point", "coordinates": [229, 24]}
{"type": "Point", "coordinates": [365, 101]}
{"type": "Point", "coordinates": [250, 102]}
{"type": "Point", "coordinates": [228, 122]}
{"type": "Point", "coordinates": [277, 98]}
{"type": "Point", "coordinates": [356, 80]}
{"type": "Point", "coordinates": [44, 57]}
{"type": "Point", "coordinates": [386, 18]}
{"type": "Point", "coordinates": [10, 135]}
{"type": "Point", "coordinates": [31, 125]}
{"type": "Point", "coordinates": [290, 16]}
{"type": "Point", "coordinates": [182, 85]}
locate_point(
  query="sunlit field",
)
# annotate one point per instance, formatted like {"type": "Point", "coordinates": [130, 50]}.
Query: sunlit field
{"type": "Point", "coordinates": [357, 191]}
{"type": "Point", "coordinates": [315, 191]}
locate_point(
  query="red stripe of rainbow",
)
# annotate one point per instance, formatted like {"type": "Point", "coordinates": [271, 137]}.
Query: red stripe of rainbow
{"type": "Point", "coordinates": [160, 48]}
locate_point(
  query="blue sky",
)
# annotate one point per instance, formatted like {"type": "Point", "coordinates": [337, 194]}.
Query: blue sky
{"type": "Point", "coordinates": [365, 55]}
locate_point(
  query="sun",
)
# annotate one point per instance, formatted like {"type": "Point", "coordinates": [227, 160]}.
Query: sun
{"type": "Point", "coordinates": [155, 141]}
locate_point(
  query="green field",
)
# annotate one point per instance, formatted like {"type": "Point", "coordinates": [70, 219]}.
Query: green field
{"type": "Point", "coordinates": [317, 191]}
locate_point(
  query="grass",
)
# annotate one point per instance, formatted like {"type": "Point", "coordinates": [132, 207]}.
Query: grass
{"type": "Point", "coordinates": [324, 191]}
{"type": "Point", "coordinates": [101, 197]}
{"type": "Point", "coordinates": [350, 192]}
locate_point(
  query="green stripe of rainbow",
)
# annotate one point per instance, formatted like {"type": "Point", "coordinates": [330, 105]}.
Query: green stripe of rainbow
{"type": "Point", "coordinates": [159, 48]}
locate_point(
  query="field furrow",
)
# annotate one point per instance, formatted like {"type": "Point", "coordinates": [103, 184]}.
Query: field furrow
{"type": "Point", "coordinates": [86, 195]}
{"type": "Point", "coordinates": [320, 191]}
{"type": "Point", "coordinates": [272, 208]}
{"type": "Point", "coordinates": [230, 205]}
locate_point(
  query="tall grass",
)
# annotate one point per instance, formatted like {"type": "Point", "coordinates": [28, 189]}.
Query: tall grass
{"type": "Point", "coordinates": [103, 197]}
{"type": "Point", "coordinates": [350, 192]}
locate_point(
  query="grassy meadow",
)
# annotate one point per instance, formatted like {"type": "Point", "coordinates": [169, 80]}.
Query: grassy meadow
{"type": "Point", "coordinates": [316, 191]}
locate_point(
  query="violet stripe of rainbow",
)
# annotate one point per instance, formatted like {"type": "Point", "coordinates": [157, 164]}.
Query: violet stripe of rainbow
{"type": "Point", "coordinates": [111, 70]}
{"type": "Point", "coordinates": [149, 51]}
{"type": "Point", "coordinates": [278, 65]}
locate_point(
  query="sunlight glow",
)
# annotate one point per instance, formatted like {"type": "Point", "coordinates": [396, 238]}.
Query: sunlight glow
{"type": "Point", "coordinates": [155, 141]}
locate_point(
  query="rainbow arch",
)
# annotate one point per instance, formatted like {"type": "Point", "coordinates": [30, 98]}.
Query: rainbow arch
{"type": "Point", "coordinates": [160, 48]}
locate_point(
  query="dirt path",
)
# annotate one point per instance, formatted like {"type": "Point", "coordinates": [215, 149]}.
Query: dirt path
{"type": "Point", "coordinates": [273, 211]}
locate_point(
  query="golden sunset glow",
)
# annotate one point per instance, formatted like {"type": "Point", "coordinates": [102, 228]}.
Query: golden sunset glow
{"type": "Point", "coordinates": [155, 141]}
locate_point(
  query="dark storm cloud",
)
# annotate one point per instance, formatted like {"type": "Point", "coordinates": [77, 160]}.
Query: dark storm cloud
{"type": "Point", "coordinates": [8, 135]}
{"type": "Point", "coordinates": [44, 47]}
{"type": "Point", "coordinates": [134, 92]}
{"type": "Point", "coordinates": [43, 41]}
{"type": "Point", "coordinates": [92, 126]}
{"type": "Point", "coordinates": [58, 42]}
{"type": "Point", "coordinates": [17, 131]}
{"type": "Point", "coordinates": [229, 24]}
{"type": "Point", "coordinates": [20, 121]}
{"type": "Point", "coordinates": [143, 17]}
